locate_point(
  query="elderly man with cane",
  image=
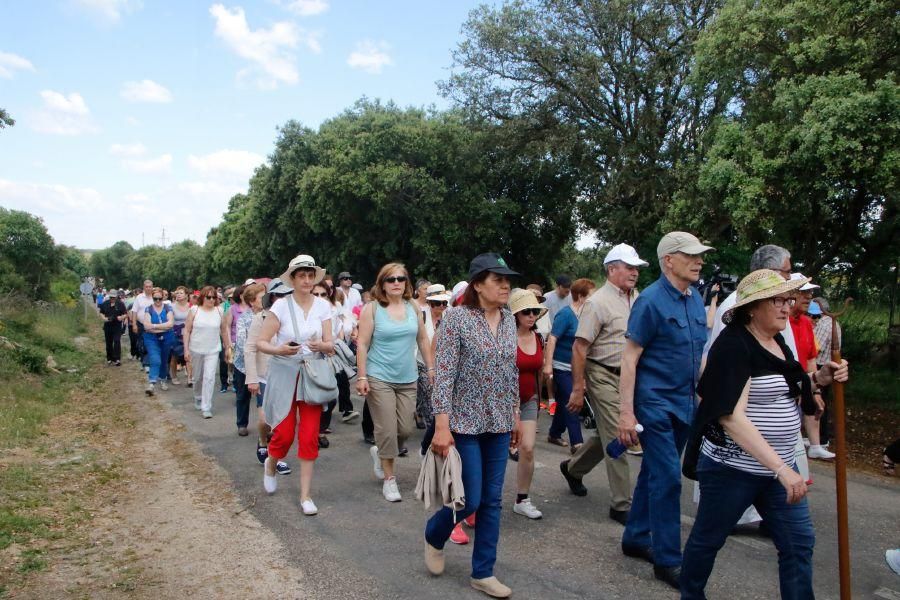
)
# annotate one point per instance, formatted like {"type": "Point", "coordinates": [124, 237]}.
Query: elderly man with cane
{"type": "Point", "coordinates": [660, 370]}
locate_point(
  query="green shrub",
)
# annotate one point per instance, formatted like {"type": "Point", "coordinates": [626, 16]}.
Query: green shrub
{"type": "Point", "coordinates": [865, 331]}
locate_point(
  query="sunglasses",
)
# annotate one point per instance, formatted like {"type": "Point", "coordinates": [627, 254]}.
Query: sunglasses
{"type": "Point", "coordinates": [531, 311]}
{"type": "Point", "coordinates": [397, 279]}
{"type": "Point", "coordinates": [438, 302]}
{"type": "Point", "coordinates": [210, 297]}
{"type": "Point", "coordinates": [321, 294]}
{"type": "Point", "coordinates": [157, 298]}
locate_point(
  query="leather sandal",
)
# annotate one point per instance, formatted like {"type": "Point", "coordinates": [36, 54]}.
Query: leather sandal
{"type": "Point", "coordinates": [557, 442]}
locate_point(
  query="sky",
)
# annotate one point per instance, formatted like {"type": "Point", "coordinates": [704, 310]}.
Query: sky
{"type": "Point", "coordinates": [134, 117]}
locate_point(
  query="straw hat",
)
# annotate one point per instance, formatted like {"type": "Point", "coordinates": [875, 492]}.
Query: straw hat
{"type": "Point", "coordinates": [760, 285]}
{"type": "Point", "coordinates": [436, 293]}
{"type": "Point", "coordinates": [302, 261]}
{"type": "Point", "coordinates": [521, 299]}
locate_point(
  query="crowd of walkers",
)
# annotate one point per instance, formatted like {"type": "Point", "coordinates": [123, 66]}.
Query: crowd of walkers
{"type": "Point", "coordinates": [716, 393]}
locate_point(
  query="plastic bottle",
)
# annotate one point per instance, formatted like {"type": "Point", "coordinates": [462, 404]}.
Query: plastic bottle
{"type": "Point", "coordinates": [615, 448]}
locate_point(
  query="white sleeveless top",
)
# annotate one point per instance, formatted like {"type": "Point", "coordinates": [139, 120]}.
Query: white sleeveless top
{"type": "Point", "coordinates": [206, 331]}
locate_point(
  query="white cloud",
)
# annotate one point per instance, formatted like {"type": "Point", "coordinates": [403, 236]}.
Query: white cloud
{"type": "Point", "coordinates": [160, 164]}
{"type": "Point", "coordinates": [9, 63]}
{"type": "Point", "coordinates": [108, 11]}
{"type": "Point", "coordinates": [63, 115]}
{"type": "Point", "coordinates": [236, 165]}
{"type": "Point", "coordinates": [370, 57]}
{"type": "Point", "coordinates": [307, 8]}
{"type": "Point", "coordinates": [50, 198]}
{"type": "Point", "coordinates": [135, 149]}
{"type": "Point", "coordinates": [145, 91]}
{"type": "Point", "coordinates": [269, 50]}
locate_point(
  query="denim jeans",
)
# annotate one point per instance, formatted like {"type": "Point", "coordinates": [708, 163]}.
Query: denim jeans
{"type": "Point", "coordinates": [725, 493]}
{"type": "Point", "coordinates": [158, 355]}
{"type": "Point", "coordinates": [655, 516]}
{"type": "Point", "coordinates": [484, 459]}
{"type": "Point", "coordinates": [243, 397]}
{"type": "Point", "coordinates": [563, 418]}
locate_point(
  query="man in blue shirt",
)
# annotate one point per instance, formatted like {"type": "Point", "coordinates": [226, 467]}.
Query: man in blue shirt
{"type": "Point", "coordinates": [660, 369]}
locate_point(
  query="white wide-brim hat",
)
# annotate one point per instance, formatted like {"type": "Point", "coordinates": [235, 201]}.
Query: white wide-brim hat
{"type": "Point", "coordinates": [302, 261]}
{"type": "Point", "coordinates": [436, 293]}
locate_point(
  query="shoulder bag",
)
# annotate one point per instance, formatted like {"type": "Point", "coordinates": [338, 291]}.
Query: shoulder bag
{"type": "Point", "coordinates": [317, 383]}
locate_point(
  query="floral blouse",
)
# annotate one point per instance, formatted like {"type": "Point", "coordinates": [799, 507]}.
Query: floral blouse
{"type": "Point", "coordinates": [243, 326]}
{"type": "Point", "coordinates": [476, 381]}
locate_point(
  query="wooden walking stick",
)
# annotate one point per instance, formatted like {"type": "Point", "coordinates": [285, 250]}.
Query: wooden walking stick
{"type": "Point", "coordinates": [840, 460]}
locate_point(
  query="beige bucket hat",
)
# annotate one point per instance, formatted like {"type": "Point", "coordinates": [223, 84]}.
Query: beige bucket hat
{"type": "Point", "coordinates": [521, 299]}
{"type": "Point", "coordinates": [760, 285]}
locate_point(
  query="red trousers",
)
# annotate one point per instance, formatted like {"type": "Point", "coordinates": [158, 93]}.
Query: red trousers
{"type": "Point", "coordinates": [307, 432]}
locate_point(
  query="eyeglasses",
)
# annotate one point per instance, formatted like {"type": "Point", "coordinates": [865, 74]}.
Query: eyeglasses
{"type": "Point", "coordinates": [210, 297]}
{"type": "Point", "coordinates": [780, 302]}
{"type": "Point", "coordinates": [321, 294]}
{"type": "Point", "coordinates": [157, 298]}
{"type": "Point", "coordinates": [436, 303]}
{"type": "Point", "coordinates": [397, 279]}
{"type": "Point", "coordinates": [531, 311]}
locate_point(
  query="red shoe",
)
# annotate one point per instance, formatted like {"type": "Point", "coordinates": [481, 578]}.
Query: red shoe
{"type": "Point", "coordinates": [551, 410]}
{"type": "Point", "coordinates": [459, 536]}
{"type": "Point", "coordinates": [542, 405]}
{"type": "Point", "coordinates": [470, 520]}
{"type": "Point", "coordinates": [809, 481]}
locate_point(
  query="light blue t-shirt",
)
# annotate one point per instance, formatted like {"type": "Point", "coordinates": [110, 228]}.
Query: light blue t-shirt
{"type": "Point", "coordinates": [392, 352]}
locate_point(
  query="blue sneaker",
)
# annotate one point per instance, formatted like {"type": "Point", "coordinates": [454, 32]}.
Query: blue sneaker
{"type": "Point", "coordinates": [282, 468]}
{"type": "Point", "coordinates": [262, 453]}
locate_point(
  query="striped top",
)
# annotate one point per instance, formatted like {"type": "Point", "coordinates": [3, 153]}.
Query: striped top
{"type": "Point", "coordinates": [775, 414]}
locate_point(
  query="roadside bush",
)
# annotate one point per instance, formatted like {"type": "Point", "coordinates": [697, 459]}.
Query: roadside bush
{"type": "Point", "coordinates": [865, 332]}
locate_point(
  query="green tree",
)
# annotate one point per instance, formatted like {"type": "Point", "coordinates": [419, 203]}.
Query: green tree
{"type": "Point", "coordinates": [183, 264]}
{"type": "Point", "coordinates": [28, 255]}
{"type": "Point", "coordinates": [5, 119]}
{"type": "Point", "coordinates": [807, 157]}
{"type": "Point", "coordinates": [145, 263]}
{"type": "Point", "coordinates": [73, 260]}
{"type": "Point", "coordinates": [608, 78]}
{"type": "Point", "coordinates": [110, 264]}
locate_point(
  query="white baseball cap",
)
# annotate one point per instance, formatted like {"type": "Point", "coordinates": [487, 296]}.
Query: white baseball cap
{"type": "Point", "coordinates": [806, 286]}
{"type": "Point", "coordinates": [626, 254]}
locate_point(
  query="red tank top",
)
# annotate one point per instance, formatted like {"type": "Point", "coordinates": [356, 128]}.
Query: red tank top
{"type": "Point", "coordinates": [529, 366]}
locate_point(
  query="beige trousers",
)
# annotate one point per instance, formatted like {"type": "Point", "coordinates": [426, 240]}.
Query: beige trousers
{"type": "Point", "coordinates": [393, 406]}
{"type": "Point", "coordinates": [603, 394]}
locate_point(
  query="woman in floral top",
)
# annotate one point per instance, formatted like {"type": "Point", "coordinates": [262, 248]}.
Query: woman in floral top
{"type": "Point", "coordinates": [252, 297]}
{"type": "Point", "coordinates": [475, 404]}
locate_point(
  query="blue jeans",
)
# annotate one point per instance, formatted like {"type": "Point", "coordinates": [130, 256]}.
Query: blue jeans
{"type": "Point", "coordinates": [484, 459]}
{"type": "Point", "coordinates": [724, 495]}
{"type": "Point", "coordinates": [158, 355]}
{"type": "Point", "coordinates": [242, 401]}
{"type": "Point", "coordinates": [655, 516]}
{"type": "Point", "coordinates": [564, 419]}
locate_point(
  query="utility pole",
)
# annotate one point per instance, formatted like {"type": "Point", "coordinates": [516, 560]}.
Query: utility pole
{"type": "Point", "coordinates": [163, 239]}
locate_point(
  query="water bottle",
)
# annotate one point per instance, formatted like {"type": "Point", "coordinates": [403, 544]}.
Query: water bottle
{"type": "Point", "coordinates": [615, 448]}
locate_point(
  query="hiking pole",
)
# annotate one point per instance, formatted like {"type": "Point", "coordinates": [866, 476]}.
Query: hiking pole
{"type": "Point", "coordinates": [840, 460]}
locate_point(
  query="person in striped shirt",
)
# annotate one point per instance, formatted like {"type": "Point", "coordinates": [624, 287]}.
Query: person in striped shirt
{"type": "Point", "coordinates": [741, 447]}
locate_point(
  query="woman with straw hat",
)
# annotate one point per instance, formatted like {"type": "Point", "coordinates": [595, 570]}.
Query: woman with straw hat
{"type": "Point", "coordinates": [436, 301]}
{"type": "Point", "coordinates": [300, 324]}
{"type": "Point", "coordinates": [529, 359]}
{"type": "Point", "coordinates": [744, 432]}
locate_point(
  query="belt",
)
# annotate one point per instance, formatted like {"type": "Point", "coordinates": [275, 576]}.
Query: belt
{"type": "Point", "coordinates": [613, 370]}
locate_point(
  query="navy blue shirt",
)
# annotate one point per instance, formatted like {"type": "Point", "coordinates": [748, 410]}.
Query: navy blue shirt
{"type": "Point", "coordinates": [671, 328]}
{"type": "Point", "coordinates": [565, 324]}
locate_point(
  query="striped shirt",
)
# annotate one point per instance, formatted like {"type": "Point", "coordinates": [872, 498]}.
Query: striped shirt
{"type": "Point", "coordinates": [775, 414]}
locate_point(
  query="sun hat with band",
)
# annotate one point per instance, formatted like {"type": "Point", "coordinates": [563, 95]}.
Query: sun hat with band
{"type": "Point", "coordinates": [521, 299]}
{"type": "Point", "coordinates": [436, 293]}
{"type": "Point", "coordinates": [276, 286]}
{"type": "Point", "coordinates": [760, 285]}
{"type": "Point", "coordinates": [302, 261]}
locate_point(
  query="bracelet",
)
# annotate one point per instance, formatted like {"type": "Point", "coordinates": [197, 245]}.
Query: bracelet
{"type": "Point", "coordinates": [778, 472]}
{"type": "Point", "coordinates": [430, 370]}
{"type": "Point", "coordinates": [362, 378]}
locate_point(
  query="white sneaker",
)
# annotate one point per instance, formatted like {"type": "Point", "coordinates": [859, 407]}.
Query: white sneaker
{"type": "Point", "coordinates": [149, 389]}
{"type": "Point", "coordinates": [390, 490]}
{"type": "Point", "coordinates": [270, 482]}
{"type": "Point", "coordinates": [527, 509]}
{"type": "Point", "coordinates": [175, 381]}
{"type": "Point", "coordinates": [892, 557]}
{"type": "Point", "coordinates": [207, 414]}
{"type": "Point", "coordinates": [308, 507]}
{"type": "Point", "coordinates": [198, 403]}
{"type": "Point", "coordinates": [806, 442]}
{"type": "Point", "coordinates": [820, 452]}
{"type": "Point", "coordinates": [376, 462]}
{"type": "Point", "coordinates": [164, 386]}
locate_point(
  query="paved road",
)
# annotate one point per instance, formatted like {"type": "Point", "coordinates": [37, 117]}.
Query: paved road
{"type": "Point", "coordinates": [360, 546]}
